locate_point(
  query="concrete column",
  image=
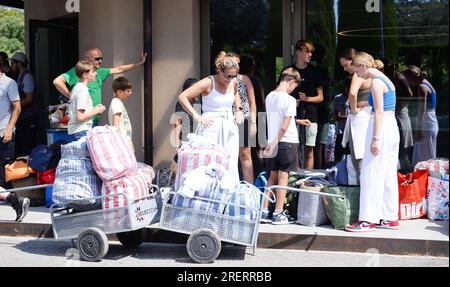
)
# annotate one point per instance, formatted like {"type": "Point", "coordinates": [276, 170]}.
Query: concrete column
{"type": "Point", "coordinates": [176, 57]}
{"type": "Point", "coordinates": [116, 27]}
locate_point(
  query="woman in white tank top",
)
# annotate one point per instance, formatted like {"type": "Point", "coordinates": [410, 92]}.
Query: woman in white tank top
{"type": "Point", "coordinates": [219, 93]}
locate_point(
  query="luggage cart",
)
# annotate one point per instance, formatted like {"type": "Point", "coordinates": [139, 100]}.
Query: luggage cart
{"type": "Point", "coordinates": [206, 230]}
{"type": "Point", "coordinates": [88, 229]}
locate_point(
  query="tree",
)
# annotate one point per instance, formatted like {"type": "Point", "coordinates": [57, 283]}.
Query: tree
{"type": "Point", "coordinates": [322, 28]}
{"type": "Point", "coordinates": [12, 30]}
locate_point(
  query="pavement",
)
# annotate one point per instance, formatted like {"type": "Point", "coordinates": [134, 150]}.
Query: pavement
{"type": "Point", "coordinates": [415, 238]}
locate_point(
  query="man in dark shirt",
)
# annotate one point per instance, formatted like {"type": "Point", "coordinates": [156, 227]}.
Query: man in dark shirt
{"type": "Point", "coordinates": [309, 95]}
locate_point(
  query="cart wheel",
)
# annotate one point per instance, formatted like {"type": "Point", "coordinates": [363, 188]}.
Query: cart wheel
{"type": "Point", "coordinates": [132, 239]}
{"type": "Point", "coordinates": [92, 244]}
{"type": "Point", "coordinates": [203, 246]}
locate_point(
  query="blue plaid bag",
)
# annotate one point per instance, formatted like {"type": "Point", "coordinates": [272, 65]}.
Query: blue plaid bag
{"type": "Point", "coordinates": [245, 202]}
{"type": "Point", "coordinates": [75, 175]}
{"type": "Point", "coordinates": [205, 184]}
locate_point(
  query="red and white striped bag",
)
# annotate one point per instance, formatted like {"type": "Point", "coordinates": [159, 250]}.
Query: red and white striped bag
{"type": "Point", "coordinates": [111, 154]}
{"type": "Point", "coordinates": [134, 187]}
{"type": "Point", "coordinates": [196, 153]}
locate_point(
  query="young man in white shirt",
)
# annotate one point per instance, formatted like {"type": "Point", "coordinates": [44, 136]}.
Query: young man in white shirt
{"type": "Point", "coordinates": [81, 109]}
{"type": "Point", "coordinates": [283, 138]}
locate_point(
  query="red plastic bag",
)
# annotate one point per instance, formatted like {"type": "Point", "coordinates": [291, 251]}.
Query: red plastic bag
{"type": "Point", "coordinates": [46, 177]}
{"type": "Point", "coordinates": [413, 194]}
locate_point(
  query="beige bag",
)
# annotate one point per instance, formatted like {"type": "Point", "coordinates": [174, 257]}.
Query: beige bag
{"type": "Point", "coordinates": [18, 170]}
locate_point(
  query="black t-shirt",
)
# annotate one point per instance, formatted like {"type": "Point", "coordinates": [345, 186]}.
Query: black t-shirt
{"type": "Point", "coordinates": [311, 80]}
{"type": "Point", "coordinates": [324, 108]}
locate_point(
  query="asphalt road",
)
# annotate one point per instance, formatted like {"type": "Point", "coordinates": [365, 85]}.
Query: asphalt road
{"type": "Point", "coordinates": [30, 252]}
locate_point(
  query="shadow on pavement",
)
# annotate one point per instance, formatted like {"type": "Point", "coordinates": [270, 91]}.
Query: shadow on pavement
{"type": "Point", "coordinates": [148, 251]}
{"type": "Point", "coordinates": [442, 227]}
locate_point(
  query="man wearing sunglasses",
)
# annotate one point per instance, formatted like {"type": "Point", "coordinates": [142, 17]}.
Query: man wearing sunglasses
{"type": "Point", "coordinates": [65, 82]}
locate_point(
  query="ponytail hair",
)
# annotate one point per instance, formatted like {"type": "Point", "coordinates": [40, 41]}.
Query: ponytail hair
{"type": "Point", "coordinates": [416, 73]}
{"type": "Point", "coordinates": [364, 59]}
{"type": "Point", "coordinates": [378, 64]}
{"type": "Point", "coordinates": [225, 61]}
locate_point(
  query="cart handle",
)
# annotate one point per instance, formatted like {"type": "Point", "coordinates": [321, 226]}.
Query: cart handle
{"type": "Point", "coordinates": [306, 191]}
{"type": "Point", "coordinates": [315, 179]}
{"type": "Point", "coordinates": [26, 188]}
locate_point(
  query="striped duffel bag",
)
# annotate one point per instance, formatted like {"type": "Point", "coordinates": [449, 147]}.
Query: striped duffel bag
{"type": "Point", "coordinates": [111, 154]}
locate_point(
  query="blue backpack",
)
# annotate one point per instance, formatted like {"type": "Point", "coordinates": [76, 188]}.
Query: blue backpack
{"type": "Point", "coordinates": [40, 158]}
{"type": "Point", "coordinates": [261, 181]}
{"type": "Point", "coordinates": [339, 174]}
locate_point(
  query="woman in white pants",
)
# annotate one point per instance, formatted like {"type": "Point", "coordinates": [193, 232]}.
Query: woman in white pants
{"type": "Point", "coordinates": [219, 93]}
{"type": "Point", "coordinates": [379, 185]}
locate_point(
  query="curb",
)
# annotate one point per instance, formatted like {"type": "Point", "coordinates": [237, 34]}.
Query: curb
{"type": "Point", "coordinates": [322, 243]}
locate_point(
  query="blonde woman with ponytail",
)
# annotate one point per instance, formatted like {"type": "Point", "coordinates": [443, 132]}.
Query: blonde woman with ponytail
{"type": "Point", "coordinates": [427, 126]}
{"type": "Point", "coordinates": [379, 186]}
{"type": "Point", "coordinates": [219, 93]}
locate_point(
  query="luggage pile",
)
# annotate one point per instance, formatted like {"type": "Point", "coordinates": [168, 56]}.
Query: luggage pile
{"type": "Point", "coordinates": [203, 182]}
{"type": "Point", "coordinates": [101, 164]}
{"type": "Point", "coordinates": [422, 194]}
{"type": "Point", "coordinates": [316, 210]}
{"type": "Point", "coordinates": [39, 168]}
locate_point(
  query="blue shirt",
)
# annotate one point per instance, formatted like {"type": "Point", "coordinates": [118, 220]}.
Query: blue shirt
{"type": "Point", "coordinates": [431, 99]}
{"type": "Point", "coordinates": [390, 98]}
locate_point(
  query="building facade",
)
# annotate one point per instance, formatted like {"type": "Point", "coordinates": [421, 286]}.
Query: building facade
{"type": "Point", "coordinates": [183, 36]}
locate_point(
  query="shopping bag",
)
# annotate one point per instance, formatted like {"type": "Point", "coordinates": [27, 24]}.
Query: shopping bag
{"type": "Point", "coordinates": [18, 170]}
{"type": "Point", "coordinates": [147, 172]}
{"type": "Point", "coordinates": [310, 209]}
{"type": "Point", "coordinates": [438, 199]}
{"type": "Point", "coordinates": [412, 189]}
{"type": "Point", "coordinates": [46, 177]}
{"type": "Point", "coordinates": [210, 185]}
{"type": "Point", "coordinates": [111, 154]}
{"type": "Point", "coordinates": [245, 202]}
{"type": "Point", "coordinates": [342, 211]}
{"type": "Point", "coordinates": [134, 187]}
{"type": "Point", "coordinates": [438, 167]}
{"type": "Point", "coordinates": [198, 152]}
